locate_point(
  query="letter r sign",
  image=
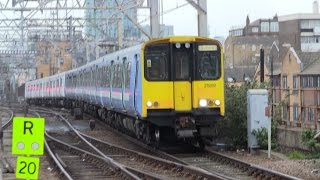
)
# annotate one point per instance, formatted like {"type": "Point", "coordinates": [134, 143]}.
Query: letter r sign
{"type": "Point", "coordinates": [28, 136]}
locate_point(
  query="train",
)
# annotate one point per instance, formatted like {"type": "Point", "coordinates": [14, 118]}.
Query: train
{"type": "Point", "coordinates": [166, 88]}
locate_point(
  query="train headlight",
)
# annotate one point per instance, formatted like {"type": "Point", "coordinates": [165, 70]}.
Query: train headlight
{"type": "Point", "coordinates": [149, 103]}
{"type": "Point", "coordinates": [203, 103]}
{"type": "Point", "coordinates": [156, 104]}
{"type": "Point", "coordinates": [178, 45]}
{"type": "Point", "coordinates": [187, 45]}
{"type": "Point", "coordinates": [217, 102]}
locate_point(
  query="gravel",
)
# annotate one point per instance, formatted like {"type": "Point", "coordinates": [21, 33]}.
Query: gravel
{"type": "Point", "coordinates": [304, 169]}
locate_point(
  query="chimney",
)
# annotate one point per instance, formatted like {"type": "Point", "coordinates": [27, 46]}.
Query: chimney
{"type": "Point", "coordinates": [315, 7]}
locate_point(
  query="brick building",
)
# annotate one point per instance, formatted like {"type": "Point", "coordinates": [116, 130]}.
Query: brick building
{"type": "Point", "coordinates": [301, 31]}
{"type": "Point", "coordinates": [297, 87]}
{"type": "Point", "coordinates": [242, 46]}
{"type": "Point", "coordinates": [53, 58]}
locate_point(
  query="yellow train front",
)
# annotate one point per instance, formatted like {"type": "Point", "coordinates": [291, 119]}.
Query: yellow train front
{"type": "Point", "coordinates": [182, 87]}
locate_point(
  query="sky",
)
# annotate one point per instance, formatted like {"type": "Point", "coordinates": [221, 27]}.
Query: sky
{"type": "Point", "coordinates": [223, 14]}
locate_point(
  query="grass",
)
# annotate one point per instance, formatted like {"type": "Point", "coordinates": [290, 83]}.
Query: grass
{"type": "Point", "coordinates": [303, 155]}
{"type": "Point", "coordinates": [296, 155]}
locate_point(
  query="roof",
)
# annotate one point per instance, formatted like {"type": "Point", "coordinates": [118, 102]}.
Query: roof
{"type": "Point", "coordinates": [255, 23]}
{"type": "Point", "coordinates": [298, 16]}
{"type": "Point", "coordinates": [308, 59]}
{"type": "Point", "coordinates": [275, 72]}
{"type": "Point", "coordinates": [312, 64]}
{"type": "Point", "coordinates": [266, 41]}
{"type": "Point", "coordinates": [240, 72]}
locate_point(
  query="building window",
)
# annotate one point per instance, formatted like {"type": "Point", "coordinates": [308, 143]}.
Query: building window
{"type": "Point", "coordinates": [255, 29]}
{"type": "Point", "coordinates": [274, 27]}
{"type": "Point", "coordinates": [309, 114]}
{"type": "Point", "coordinates": [318, 81]}
{"type": "Point", "coordinates": [295, 85]}
{"type": "Point", "coordinates": [254, 59]}
{"type": "Point", "coordinates": [285, 112]}
{"type": "Point", "coordinates": [284, 82]}
{"type": "Point", "coordinates": [304, 81]}
{"type": "Point", "coordinates": [310, 81]}
{"type": "Point", "coordinates": [309, 39]}
{"type": "Point", "coordinates": [309, 24]}
{"type": "Point", "coordinates": [264, 26]}
{"type": "Point", "coordinates": [276, 81]}
{"type": "Point", "coordinates": [295, 112]}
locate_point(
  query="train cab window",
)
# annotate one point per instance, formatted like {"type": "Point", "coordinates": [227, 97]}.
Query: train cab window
{"type": "Point", "coordinates": [208, 61]}
{"type": "Point", "coordinates": [182, 58]}
{"type": "Point", "coordinates": [156, 62]}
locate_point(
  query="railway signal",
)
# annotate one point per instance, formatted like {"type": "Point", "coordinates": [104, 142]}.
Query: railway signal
{"type": "Point", "coordinates": [28, 136]}
{"type": "Point", "coordinates": [28, 139]}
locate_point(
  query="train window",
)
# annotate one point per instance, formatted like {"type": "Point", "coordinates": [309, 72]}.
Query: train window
{"type": "Point", "coordinates": [111, 73]}
{"type": "Point", "coordinates": [99, 77]}
{"type": "Point", "coordinates": [107, 76]}
{"type": "Point", "coordinates": [127, 75]}
{"type": "Point", "coordinates": [182, 58]}
{"type": "Point", "coordinates": [115, 76]}
{"type": "Point", "coordinates": [120, 76]}
{"type": "Point", "coordinates": [156, 62]}
{"type": "Point", "coordinates": [91, 77]}
{"type": "Point", "coordinates": [208, 60]}
{"type": "Point", "coordinates": [87, 79]}
{"type": "Point", "coordinates": [95, 76]}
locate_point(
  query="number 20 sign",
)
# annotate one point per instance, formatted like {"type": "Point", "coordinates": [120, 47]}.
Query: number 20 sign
{"type": "Point", "coordinates": [27, 167]}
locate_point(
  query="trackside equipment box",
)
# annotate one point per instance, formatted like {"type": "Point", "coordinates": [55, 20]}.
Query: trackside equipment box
{"type": "Point", "coordinates": [257, 103]}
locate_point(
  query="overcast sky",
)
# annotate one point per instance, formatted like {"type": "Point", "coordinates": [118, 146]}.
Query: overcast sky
{"type": "Point", "coordinates": [222, 14]}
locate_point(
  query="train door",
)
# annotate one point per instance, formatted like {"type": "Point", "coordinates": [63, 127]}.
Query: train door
{"type": "Point", "coordinates": [182, 60]}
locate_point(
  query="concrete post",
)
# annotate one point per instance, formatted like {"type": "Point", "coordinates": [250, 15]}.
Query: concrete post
{"type": "Point", "coordinates": [155, 18]}
{"type": "Point", "coordinates": [202, 19]}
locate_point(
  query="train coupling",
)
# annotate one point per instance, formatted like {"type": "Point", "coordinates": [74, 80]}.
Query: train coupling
{"type": "Point", "coordinates": [185, 127]}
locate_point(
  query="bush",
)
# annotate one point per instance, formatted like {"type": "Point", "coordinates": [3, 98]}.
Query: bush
{"type": "Point", "coordinates": [309, 141]}
{"type": "Point", "coordinates": [234, 126]}
{"type": "Point", "coordinates": [262, 137]}
{"type": "Point", "coordinates": [296, 155]}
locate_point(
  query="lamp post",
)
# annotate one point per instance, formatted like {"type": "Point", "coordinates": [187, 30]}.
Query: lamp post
{"type": "Point", "coordinates": [271, 59]}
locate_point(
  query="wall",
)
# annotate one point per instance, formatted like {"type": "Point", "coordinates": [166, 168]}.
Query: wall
{"type": "Point", "coordinates": [290, 137]}
{"type": "Point", "coordinates": [289, 32]}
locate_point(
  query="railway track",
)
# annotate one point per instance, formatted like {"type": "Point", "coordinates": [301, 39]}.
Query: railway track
{"type": "Point", "coordinates": [213, 162]}
{"type": "Point", "coordinates": [6, 120]}
{"type": "Point", "coordinates": [70, 160]}
{"type": "Point", "coordinates": [223, 167]}
{"type": "Point", "coordinates": [138, 163]}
